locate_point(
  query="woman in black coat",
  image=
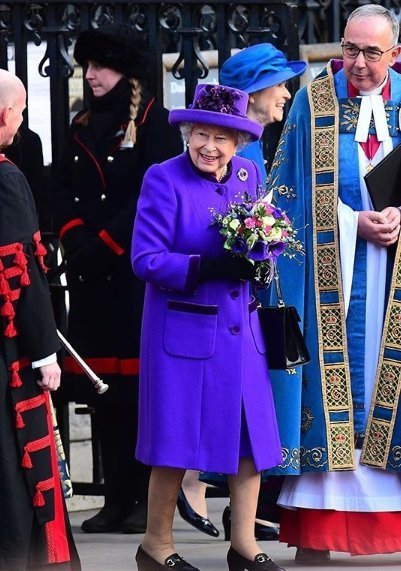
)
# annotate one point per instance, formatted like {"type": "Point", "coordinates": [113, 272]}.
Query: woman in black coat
{"type": "Point", "coordinates": [110, 147]}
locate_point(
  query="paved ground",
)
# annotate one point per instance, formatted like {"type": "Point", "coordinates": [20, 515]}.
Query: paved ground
{"type": "Point", "coordinates": [116, 552]}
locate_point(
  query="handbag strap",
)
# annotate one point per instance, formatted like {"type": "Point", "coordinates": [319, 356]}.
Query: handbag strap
{"type": "Point", "coordinates": [280, 301]}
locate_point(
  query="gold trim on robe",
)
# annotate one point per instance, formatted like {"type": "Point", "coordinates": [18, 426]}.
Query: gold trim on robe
{"type": "Point", "coordinates": [377, 446]}
{"type": "Point", "coordinates": [336, 383]}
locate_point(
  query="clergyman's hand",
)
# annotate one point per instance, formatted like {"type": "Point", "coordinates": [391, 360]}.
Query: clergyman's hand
{"type": "Point", "coordinates": [50, 377]}
{"type": "Point", "coordinates": [376, 228]}
{"type": "Point", "coordinates": [393, 216]}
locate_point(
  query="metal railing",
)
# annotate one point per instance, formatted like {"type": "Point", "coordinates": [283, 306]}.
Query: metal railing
{"type": "Point", "coordinates": [186, 29]}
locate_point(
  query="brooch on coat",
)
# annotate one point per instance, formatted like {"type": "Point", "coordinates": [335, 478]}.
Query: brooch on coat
{"type": "Point", "coordinates": [242, 174]}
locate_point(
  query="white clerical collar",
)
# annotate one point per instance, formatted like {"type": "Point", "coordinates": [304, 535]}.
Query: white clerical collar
{"type": "Point", "coordinates": [372, 104]}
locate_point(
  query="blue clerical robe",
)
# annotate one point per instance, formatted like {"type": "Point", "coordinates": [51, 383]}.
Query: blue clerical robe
{"type": "Point", "coordinates": [302, 411]}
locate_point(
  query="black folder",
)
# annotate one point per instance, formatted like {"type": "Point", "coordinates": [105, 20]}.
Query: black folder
{"type": "Point", "coordinates": [384, 181]}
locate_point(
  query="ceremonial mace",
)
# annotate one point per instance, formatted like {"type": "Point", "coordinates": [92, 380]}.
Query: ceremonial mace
{"type": "Point", "coordinates": [99, 385]}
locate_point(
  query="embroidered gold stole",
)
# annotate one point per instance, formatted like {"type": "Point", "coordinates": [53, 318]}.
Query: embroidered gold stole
{"type": "Point", "coordinates": [332, 337]}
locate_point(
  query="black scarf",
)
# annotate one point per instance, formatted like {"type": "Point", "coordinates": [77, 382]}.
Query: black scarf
{"type": "Point", "coordinates": [110, 111]}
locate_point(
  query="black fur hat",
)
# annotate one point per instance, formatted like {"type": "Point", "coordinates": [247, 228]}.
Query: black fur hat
{"type": "Point", "coordinates": [117, 46]}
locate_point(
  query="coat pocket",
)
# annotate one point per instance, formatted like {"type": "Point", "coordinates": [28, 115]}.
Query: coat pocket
{"type": "Point", "coordinates": [256, 329]}
{"type": "Point", "coordinates": [190, 329]}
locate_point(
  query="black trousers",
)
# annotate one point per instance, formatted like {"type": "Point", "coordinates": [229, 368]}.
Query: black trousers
{"type": "Point", "coordinates": [126, 479]}
{"type": "Point", "coordinates": [116, 423]}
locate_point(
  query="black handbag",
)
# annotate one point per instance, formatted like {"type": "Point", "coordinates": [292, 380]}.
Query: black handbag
{"type": "Point", "coordinates": [285, 344]}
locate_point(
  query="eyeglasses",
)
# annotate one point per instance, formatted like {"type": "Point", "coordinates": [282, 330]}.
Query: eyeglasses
{"type": "Point", "coordinates": [370, 54]}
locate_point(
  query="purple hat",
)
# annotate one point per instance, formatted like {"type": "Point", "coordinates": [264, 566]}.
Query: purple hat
{"type": "Point", "coordinates": [220, 106]}
{"type": "Point", "coordinates": [258, 67]}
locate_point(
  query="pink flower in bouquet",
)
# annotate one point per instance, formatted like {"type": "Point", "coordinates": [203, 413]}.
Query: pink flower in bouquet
{"type": "Point", "coordinates": [250, 222]}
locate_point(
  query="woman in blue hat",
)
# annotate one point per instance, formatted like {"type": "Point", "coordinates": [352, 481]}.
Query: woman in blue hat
{"type": "Point", "coordinates": [261, 71]}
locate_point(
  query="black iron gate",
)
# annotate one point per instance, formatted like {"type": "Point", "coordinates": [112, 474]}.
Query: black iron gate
{"type": "Point", "coordinates": [186, 29]}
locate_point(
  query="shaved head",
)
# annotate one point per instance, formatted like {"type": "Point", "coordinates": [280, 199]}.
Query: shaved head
{"type": "Point", "coordinates": [11, 88]}
{"type": "Point", "coordinates": [12, 105]}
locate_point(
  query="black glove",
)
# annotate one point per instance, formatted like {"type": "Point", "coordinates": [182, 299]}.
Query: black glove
{"type": "Point", "coordinates": [231, 267]}
{"type": "Point", "coordinates": [94, 259]}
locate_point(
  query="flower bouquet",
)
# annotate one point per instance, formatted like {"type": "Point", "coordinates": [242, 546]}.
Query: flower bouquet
{"type": "Point", "coordinates": [260, 232]}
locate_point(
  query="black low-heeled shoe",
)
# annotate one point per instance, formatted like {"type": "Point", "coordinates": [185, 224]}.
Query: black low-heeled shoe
{"type": "Point", "coordinates": [192, 517]}
{"type": "Point", "coordinates": [262, 562]}
{"type": "Point", "coordinates": [312, 556]}
{"type": "Point", "coordinates": [146, 563]}
{"type": "Point", "coordinates": [266, 532]}
{"type": "Point", "coordinates": [262, 532]}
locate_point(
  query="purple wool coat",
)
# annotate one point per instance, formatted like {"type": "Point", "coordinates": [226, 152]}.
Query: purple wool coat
{"type": "Point", "coordinates": [202, 361]}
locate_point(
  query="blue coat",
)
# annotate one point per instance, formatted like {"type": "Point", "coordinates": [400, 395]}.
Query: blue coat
{"type": "Point", "coordinates": [303, 418]}
{"type": "Point", "coordinates": [202, 354]}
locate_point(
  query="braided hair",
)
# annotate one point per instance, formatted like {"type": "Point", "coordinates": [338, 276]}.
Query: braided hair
{"type": "Point", "coordinates": [136, 98]}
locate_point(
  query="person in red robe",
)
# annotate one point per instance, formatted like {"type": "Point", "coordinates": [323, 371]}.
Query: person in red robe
{"type": "Point", "coordinates": [34, 531]}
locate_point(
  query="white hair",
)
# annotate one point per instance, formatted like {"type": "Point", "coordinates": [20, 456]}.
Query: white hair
{"type": "Point", "coordinates": [371, 10]}
{"type": "Point", "coordinates": [243, 138]}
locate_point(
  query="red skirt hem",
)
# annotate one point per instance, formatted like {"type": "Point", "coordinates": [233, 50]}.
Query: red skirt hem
{"type": "Point", "coordinates": [356, 533]}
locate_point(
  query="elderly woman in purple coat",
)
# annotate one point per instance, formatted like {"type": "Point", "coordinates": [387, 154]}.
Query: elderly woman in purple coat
{"type": "Point", "coordinates": [205, 396]}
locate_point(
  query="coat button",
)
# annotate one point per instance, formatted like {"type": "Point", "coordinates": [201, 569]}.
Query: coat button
{"type": "Point", "coordinates": [103, 197]}
{"type": "Point", "coordinates": [110, 159]}
{"type": "Point", "coordinates": [76, 198]}
{"type": "Point", "coordinates": [222, 189]}
{"type": "Point", "coordinates": [76, 159]}
{"type": "Point", "coordinates": [235, 294]}
{"type": "Point", "coordinates": [235, 329]}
